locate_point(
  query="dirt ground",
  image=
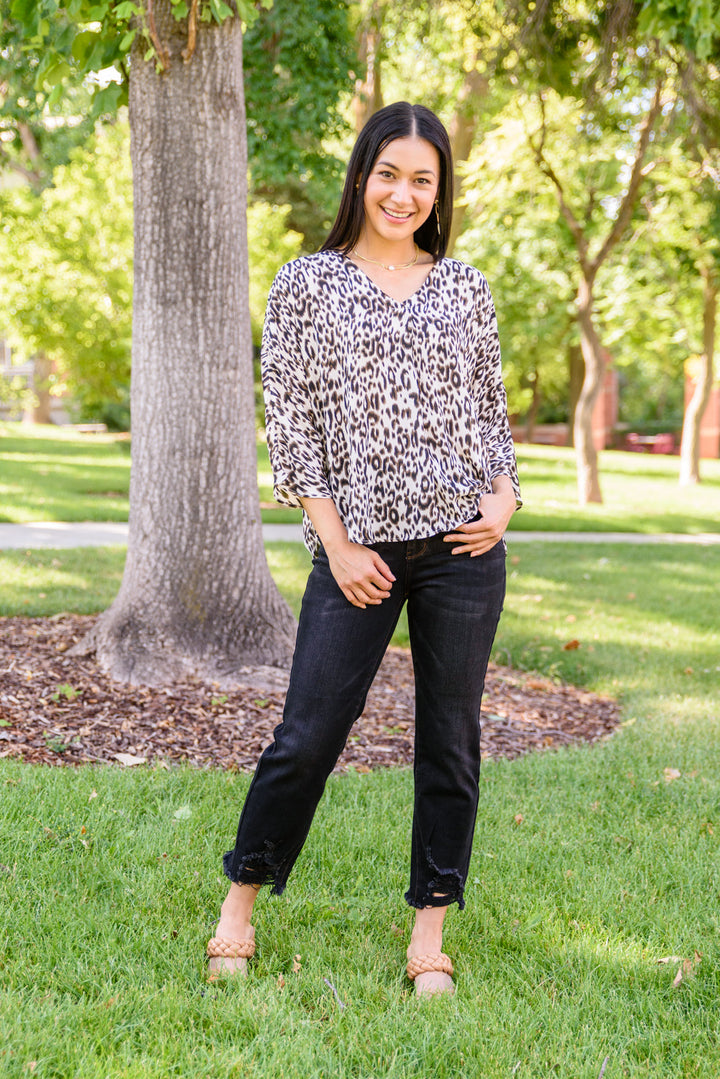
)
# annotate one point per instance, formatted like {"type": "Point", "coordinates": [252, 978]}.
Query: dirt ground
{"type": "Point", "coordinates": [63, 710]}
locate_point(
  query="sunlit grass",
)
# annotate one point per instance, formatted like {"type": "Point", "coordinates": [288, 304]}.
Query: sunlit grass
{"type": "Point", "coordinates": [640, 494]}
{"type": "Point", "coordinates": [52, 474]}
{"type": "Point", "coordinates": [589, 867]}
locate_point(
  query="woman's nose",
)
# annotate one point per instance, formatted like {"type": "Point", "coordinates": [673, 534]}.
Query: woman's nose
{"type": "Point", "coordinates": [401, 193]}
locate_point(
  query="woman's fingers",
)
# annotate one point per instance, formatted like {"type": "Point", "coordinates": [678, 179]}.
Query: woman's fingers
{"type": "Point", "coordinates": [475, 537]}
{"type": "Point", "coordinates": [364, 578]}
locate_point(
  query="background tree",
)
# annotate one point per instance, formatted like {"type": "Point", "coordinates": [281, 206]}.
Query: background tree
{"type": "Point", "coordinates": [196, 595]}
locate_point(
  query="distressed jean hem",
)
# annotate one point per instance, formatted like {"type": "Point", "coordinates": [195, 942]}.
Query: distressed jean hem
{"type": "Point", "coordinates": [252, 869]}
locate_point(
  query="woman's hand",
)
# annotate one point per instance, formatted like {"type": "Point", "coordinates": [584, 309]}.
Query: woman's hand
{"type": "Point", "coordinates": [477, 537]}
{"type": "Point", "coordinates": [361, 574]}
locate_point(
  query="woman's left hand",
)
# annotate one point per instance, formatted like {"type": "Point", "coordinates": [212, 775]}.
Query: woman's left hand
{"type": "Point", "coordinates": [477, 537]}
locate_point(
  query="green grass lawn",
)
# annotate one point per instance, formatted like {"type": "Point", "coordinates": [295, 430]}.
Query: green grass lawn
{"type": "Point", "coordinates": [49, 474]}
{"type": "Point", "coordinates": [590, 866]}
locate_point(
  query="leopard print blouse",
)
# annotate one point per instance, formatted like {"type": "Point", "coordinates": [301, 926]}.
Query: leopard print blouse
{"type": "Point", "coordinates": [394, 409]}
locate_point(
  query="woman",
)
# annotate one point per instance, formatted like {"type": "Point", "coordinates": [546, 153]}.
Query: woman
{"type": "Point", "coordinates": [387, 423]}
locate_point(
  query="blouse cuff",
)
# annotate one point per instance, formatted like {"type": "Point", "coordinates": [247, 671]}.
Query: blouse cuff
{"type": "Point", "coordinates": [288, 494]}
{"type": "Point", "coordinates": [502, 470]}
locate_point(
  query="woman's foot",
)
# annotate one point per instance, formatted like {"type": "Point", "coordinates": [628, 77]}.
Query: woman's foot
{"type": "Point", "coordinates": [234, 940]}
{"type": "Point", "coordinates": [426, 949]}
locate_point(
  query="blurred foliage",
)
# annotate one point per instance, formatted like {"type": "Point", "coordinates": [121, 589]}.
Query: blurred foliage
{"type": "Point", "coordinates": [588, 68]}
{"type": "Point", "coordinates": [66, 289]}
{"type": "Point", "coordinates": [65, 65]}
{"type": "Point", "coordinates": [297, 60]}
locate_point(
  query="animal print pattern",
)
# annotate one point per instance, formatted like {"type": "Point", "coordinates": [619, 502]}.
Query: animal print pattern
{"type": "Point", "coordinates": [394, 409]}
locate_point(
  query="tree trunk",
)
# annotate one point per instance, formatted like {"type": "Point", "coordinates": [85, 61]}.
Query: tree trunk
{"type": "Point", "coordinates": [576, 377]}
{"type": "Point", "coordinates": [196, 597]}
{"type": "Point", "coordinates": [42, 370]}
{"type": "Point", "coordinates": [690, 444]}
{"type": "Point", "coordinates": [368, 97]}
{"type": "Point", "coordinates": [462, 130]}
{"type": "Point", "coordinates": [592, 353]}
{"type": "Point", "coordinates": [531, 419]}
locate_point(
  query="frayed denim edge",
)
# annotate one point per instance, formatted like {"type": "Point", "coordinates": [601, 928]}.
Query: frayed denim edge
{"type": "Point", "coordinates": [257, 869]}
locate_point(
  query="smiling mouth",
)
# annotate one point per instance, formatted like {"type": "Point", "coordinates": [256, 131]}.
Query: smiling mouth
{"type": "Point", "coordinates": [395, 215]}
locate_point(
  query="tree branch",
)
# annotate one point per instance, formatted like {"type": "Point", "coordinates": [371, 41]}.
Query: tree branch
{"type": "Point", "coordinates": [32, 176]}
{"type": "Point", "coordinates": [162, 53]}
{"type": "Point", "coordinates": [637, 175]}
{"type": "Point", "coordinates": [538, 149]}
{"type": "Point", "coordinates": [187, 53]}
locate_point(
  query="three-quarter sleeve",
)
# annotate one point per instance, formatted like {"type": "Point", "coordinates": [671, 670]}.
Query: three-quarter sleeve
{"type": "Point", "coordinates": [489, 394]}
{"type": "Point", "coordinates": [295, 443]}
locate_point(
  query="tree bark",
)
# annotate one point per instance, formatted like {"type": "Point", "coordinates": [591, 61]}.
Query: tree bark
{"type": "Point", "coordinates": [368, 97]}
{"type": "Point", "coordinates": [593, 356]}
{"type": "Point", "coordinates": [531, 418]}
{"type": "Point", "coordinates": [576, 375]}
{"type": "Point", "coordinates": [42, 370]}
{"type": "Point", "coordinates": [196, 597]}
{"type": "Point", "coordinates": [690, 444]}
{"type": "Point", "coordinates": [462, 130]}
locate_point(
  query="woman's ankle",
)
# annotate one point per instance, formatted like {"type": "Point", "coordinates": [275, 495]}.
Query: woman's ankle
{"type": "Point", "coordinates": [427, 931]}
{"type": "Point", "coordinates": [236, 911]}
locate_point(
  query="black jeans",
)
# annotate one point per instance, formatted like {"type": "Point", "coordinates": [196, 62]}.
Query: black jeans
{"type": "Point", "coordinates": [454, 603]}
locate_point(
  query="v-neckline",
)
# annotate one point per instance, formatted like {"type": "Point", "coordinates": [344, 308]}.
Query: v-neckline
{"type": "Point", "coordinates": [386, 295]}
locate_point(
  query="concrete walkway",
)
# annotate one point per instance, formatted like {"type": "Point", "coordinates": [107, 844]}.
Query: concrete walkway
{"type": "Point", "coordinates": [99, 534]}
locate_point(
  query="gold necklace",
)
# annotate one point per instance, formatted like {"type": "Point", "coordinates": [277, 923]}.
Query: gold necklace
{"type": "Point", "coordinates": [405, 266]}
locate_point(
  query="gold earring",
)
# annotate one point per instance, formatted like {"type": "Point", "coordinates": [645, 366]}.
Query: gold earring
{"type": "Point", "coordinates": [437, 215]}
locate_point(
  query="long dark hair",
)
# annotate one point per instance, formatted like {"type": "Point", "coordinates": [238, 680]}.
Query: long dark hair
{"type": "Point", "coordinates": [398, 121]}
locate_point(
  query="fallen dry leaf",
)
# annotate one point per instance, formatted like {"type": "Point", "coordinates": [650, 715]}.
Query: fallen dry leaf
{"type": "Point", "coordinates": [686, 969]}
{"type": "Point", "coordinates": [129, 759]}
{"type": "Point", "coordinates": [671, 774]}
{"type": "Point", "coordinates": [297, 964]}
{"type": "Point", "coordinates": [518, 818]}
{"type": "Point", "coordinates": [571, 646]}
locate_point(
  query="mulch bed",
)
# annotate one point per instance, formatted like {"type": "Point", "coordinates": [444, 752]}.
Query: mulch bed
{"type": "Point", "coordinates": [59, 709]}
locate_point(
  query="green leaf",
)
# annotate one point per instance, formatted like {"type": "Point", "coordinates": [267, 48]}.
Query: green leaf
{"type": "Point", "coordinates": [126, 10]}
{"type": "Point", "coordinates": [83, 45]}
{"type": "Point", "coordinates": [107, 99]}
{"type": "Point", "coordinates": [127, 40]}
{"type": "Point", "coordinates": [52, 72]}
{"type": "Point", "coordinates": [220, 10]}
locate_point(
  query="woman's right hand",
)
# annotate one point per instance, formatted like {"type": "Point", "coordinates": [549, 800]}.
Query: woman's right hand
{"type": "Point", "coordinates": [361, 574]}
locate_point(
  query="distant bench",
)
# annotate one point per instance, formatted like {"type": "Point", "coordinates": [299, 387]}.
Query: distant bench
{"type": "Point", "coordinates": [664, 443]}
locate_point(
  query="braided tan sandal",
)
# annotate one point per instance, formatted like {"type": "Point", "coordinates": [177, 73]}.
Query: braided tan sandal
{"type": "Point", "coordinates": [225, 948]}
{"type": "Point", "coordinates": [437, 963]}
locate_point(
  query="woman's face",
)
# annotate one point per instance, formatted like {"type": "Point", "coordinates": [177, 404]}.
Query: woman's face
{"type": "Point", "coordinates": [401, 190]}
